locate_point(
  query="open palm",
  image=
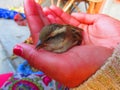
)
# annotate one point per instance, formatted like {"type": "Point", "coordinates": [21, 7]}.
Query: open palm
{"type": "Point", "coordinates": [100, 30]}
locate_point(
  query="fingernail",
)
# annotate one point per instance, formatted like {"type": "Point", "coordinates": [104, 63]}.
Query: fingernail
{"type": "Point", "coordinates": [18, 50]}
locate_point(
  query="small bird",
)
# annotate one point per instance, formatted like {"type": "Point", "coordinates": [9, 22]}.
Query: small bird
{"type": "Point", "coordinates": [59, 38]}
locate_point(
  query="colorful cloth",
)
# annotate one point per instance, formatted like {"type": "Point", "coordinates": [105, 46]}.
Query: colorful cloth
{"type": "Point", "coordinates": [4, 77]}
{"type": "Point", "coordinates": [31, 82]}
{"type": "Point", "coordinates": [26, 69]}
{"type": "Point", "coordinates": [28, 78]}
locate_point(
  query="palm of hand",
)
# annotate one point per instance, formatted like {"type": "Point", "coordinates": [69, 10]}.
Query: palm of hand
{"type": "Point", "coordinates": [103, 32]}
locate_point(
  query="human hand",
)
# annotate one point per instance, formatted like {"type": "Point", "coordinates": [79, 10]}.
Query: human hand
{"type": "Point", "coordinates": [100, 30]}
{"type": "Point", "coordinates": [70, 68]}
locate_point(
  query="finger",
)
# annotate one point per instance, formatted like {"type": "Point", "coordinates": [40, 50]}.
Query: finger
{"type": "Point", "coordinates": [57, 20]}
{"type": "Point", "coordinates": [34, 19]}
{"type": "Point", "coordinates": [85, 18]}
{"type": "Point", "coordinates": [39, 59]}
{"type": "Point", "coordinates": [32, 55]}
{"type": "Point", "coordinates": [47, 11]}
{"type": "Point", "coordinates": [52, 16]}
{"type": "Point", "coordinates": [42, 15]}
{"type": "Point", "coordinates": [51, 19]}
{"type": "Point", "coordinates": [64, 16]}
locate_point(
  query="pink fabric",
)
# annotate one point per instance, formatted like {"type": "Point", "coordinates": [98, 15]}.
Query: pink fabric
{"type": "Point", "coordinates": [4, 77]}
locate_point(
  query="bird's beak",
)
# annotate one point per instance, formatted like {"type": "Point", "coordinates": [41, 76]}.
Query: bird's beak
{"type": "Point", "coordinates": [39, 44]}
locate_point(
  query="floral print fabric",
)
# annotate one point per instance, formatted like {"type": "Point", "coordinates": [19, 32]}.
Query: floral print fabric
{"type": "Point", "coordinates": [32, 82]}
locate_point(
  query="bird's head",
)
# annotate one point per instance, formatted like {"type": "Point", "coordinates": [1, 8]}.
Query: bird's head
{"type": "Point", "coordinates": [51, 34]}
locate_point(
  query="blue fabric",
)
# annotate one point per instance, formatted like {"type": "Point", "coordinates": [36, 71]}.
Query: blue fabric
{"type": "Point", "coordinates": [25, 69]}
{"type": "Point", "coordinates": [9, 14]}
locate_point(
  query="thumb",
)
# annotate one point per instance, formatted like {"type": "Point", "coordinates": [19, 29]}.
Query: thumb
{"type": "Point", "coordinates": [40, 59]}
{"type": "Point", "coordinates": [23, 50]}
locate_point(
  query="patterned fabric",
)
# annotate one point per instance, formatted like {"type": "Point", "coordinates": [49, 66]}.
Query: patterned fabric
{"type": "Point", "coordinates": [31, 82]}
{"type": "Point", "coordinates": [26, 69]}
{"type": "Point", "coordinates": [28, 78]}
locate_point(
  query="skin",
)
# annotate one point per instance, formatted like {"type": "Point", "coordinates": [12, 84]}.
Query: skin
{"type": "Point", "coordinates": [101, 35]}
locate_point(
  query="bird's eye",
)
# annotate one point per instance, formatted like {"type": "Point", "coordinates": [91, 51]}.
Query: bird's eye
{"type": "Point", "coordinates": [49, 38]}
{"type": "Point", "coordinates": [56, 37]}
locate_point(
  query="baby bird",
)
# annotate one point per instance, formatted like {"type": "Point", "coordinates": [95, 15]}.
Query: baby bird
{"type": "Point", "coordinates": [59, 38]}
